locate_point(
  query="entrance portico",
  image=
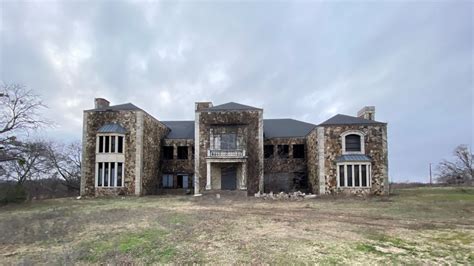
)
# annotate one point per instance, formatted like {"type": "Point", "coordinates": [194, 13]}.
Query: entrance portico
{"type": "Point", "coordinates": [226, 174]}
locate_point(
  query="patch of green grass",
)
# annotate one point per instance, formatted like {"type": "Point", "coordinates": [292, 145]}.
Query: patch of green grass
{"type": "Point", "coordinates": [367, 248]}
{"type": "Point", "coordinates": [148, 245]}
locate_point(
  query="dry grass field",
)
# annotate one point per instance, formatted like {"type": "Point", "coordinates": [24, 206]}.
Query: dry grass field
{"type": "Point", "coordinates": [414, 226]}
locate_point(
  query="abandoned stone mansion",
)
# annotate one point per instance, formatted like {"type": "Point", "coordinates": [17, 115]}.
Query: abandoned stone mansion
{"type": "Point", "coordinates": [126, 151]}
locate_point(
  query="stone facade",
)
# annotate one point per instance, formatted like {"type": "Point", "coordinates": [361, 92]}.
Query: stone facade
{"type": "Point", "coordinates": [224, 149]}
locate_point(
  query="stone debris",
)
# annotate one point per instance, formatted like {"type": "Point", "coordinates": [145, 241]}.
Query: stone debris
{"type": "Point", "coordinates": [298, 195]}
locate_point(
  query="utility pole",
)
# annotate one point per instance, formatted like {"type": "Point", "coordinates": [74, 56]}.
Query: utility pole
{"type": "Point", "coordinates": [431, 179]}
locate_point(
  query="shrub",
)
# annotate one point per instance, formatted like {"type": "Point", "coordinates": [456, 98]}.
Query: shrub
{"type": "Point", "coordinates": [12, 193]}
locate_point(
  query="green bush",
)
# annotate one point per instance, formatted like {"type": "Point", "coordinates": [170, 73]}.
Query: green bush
{"type": "Point", "coordinates": [12, 193]}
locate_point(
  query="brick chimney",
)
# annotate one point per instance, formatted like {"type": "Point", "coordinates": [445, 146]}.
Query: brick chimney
{"type": "Point", "coordinates": [368, 112]}
{"type": "Point", "coordinates": [199, 106]}
{"type": "Point", "coordinates": [101, 103]}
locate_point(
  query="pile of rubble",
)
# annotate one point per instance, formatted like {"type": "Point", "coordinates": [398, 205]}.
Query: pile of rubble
{"type": "Point", "coordinates": [298, 195]}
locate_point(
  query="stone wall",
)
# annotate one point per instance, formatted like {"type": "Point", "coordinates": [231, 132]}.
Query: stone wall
{"type": "Point", "coordinates": [153, 134]}
{"type": "Point", "coordinates": [280, 172]}
{"type": "Point", "coordinates": [375, 146]}
{"type": "Point", "coordinates": [312, 161]}
{"type": "Point", "coordinates": [93, 120]}
{"type": "Point", "coordinates": [178, 166]}
{"type": "Point", "coordinates": [250, 124]}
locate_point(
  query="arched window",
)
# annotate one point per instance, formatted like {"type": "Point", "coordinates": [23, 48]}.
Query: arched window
{"type": "Point", "coordinates": [352, 142]}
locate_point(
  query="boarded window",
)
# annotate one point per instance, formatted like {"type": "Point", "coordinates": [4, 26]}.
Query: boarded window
{"type": "Point", "coordinates": [168, 152]}
{"type": "Point", "coordinates": [353, 142]}
{"type": "Point", "coordinates": [298, 151]}
{"type": "Point", "coordinates": [183, 152]}
{"type": "Point", "coordinates": [268, 151]}
{"type": "Point", "coordinates": [283, 151]}
{"type": "Point", "coordinates": [168, 181]}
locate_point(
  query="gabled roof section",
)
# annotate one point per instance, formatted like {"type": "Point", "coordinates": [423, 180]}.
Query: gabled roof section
{"type": "Point", "coordinates": [180, 129]}
{"type": "Point", "coordinates": [348, 120]}
{"type": "Point", "coordinates": [112, 128]}
{"type": "Point", "coordinates": [119, 107]}
{"type": "Point", "coordinates": [284, 128]}
{"type": "Point", "coordinates": [230, 106]}
{"type": "Point", "coordinates": [353, 158]}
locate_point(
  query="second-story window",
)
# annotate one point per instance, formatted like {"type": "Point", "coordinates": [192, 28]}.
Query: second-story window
{"type": "Point", "coordinates": [110, 143]}
{"type": "Point", "coordinates": [228, 141]}
{"type": "Point", "coordinates": [353, 143]}
{"type": "Point", "coordinates": [283, 151]}
{"type": "Point", "coordinates": [183, 152]}
{"type": "Point", "coordinates": [298, 151]}
{"type": "Point", "coordinates": [268, 151]}
{"type": "Point", "coordinates": [168, 152]}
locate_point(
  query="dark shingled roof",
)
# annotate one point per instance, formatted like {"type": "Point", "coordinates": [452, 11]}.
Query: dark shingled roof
{"type": "Point", "coordinates": [353, 158]}
{"type": "Point", "coordinates": [281, 128]}
{"type": "Point", "coordinates": [112, 128]}
{"type": "Point", "coordinates": [347, 120]}
{"type": "Point", "coordinates": [119, 107]}
{"type": "Point", "coordinates": [180, 129]}
{"type": "Point", "coordinates": [231, 106]}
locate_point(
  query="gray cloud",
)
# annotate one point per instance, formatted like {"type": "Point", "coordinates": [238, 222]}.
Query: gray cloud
{"type": "Point", "coordinates": [306, 60]}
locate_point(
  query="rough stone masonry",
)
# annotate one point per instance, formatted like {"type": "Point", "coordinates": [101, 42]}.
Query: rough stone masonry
{"type": "Point", "coordinates": [230, 147]}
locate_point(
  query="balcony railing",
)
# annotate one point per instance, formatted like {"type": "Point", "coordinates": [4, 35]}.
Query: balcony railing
{"type": "Point", "coordinates": [226, 153]}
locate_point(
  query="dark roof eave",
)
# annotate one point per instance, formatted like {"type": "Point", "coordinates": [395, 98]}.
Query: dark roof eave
{"type": "Point", "coordinates": [354, 124]}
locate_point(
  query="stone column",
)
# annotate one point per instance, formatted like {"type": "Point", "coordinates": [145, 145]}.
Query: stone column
{"type": "Point", "coordinates": [139, 154]}
{"type": "Point", "coordinates": [208, 176]}
{"type": "Point", "coordinates": [243, 179]}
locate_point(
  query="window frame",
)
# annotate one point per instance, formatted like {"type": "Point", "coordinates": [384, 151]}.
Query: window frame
{"type": "Point", "coordinates": [303, 151]}
{"type": "Point", "coordinates": [362, 141]}
{"type": "Point", "coordinates": [272, 154]}
{"type": "Point", "coordinates": [284, 154]}
{"type": "Point", "coordinates": [352, 165]}
{"type": "Point", "coordinates": [110, 136]}
{"type": "Point", "coordinates": [167, 158]}
{"type": "Point", "coordinates": [109, 176]}
{"type": "Point", "coordinates": [182, 148]}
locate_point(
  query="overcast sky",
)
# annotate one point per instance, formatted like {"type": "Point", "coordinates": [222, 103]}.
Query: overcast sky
{"type": "Point", "coordinates": [303, 60]}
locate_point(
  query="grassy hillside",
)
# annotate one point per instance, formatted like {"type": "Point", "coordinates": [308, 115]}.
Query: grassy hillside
{"type": "Point", "coordinates": [418, 225]}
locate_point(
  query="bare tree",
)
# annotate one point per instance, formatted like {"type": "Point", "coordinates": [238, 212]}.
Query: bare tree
{"type": "Point", "coordinates": [30, 163]}
{"type": "Point", "coordinates": [66, 162]}
{"type": "Point", "coordinates": [19, 110]}
{"type": "Point", "coordinates": [460, 171]}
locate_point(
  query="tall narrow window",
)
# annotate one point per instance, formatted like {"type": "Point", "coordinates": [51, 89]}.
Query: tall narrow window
{"type": "Point", "coordinates": [106, 174]}
{"type": "Point", "coordinates": [364, 175]}
{"type": "Point", "coordinates": [100, 176]}
{"type": "Point", "coordinates": [120, 144]}
{"type": "Point", "coordinates": [112, 144]}
{"type": "Point", "coordinates": [119, 174]}
{"type": "Point", "coordinates": [112, 174]}
{"type": "Point", "coordinates": [349, 176]}
{"type": "Point", "coordinates": [356, 176]}
{"type": "Point", "coordinates": [107, 148]}
{"type": "Point", "coordinates": [341, 175]}
{"type": "Point", "coordinates": [101, 143]}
